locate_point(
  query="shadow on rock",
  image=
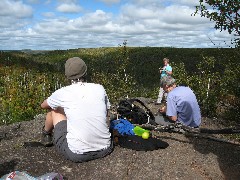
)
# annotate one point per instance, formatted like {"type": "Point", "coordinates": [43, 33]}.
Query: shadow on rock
{"type": "Point", "coordinates": [7, 167]}
{"type": "Point", "coordinates": [228, 155]}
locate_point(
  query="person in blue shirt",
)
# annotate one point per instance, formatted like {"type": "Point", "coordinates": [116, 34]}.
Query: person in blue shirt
{"type": "Point", "coordinates": [166, 70]}
{"type": "Point", "coordinates": [182, 105]}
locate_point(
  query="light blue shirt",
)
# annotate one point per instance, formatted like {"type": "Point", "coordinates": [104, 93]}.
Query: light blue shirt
{"type": "Point", "coordinates": [166, 68]}
{"type": "Point", "coordinates": [182, 102]}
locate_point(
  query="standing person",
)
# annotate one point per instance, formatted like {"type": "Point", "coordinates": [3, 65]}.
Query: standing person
{"type": "Point", "coordinates": [182, 105]}
{"type": "Point", "coordinates": [77, 117]}
{"type": "Point", "coordinates": [166, 70]}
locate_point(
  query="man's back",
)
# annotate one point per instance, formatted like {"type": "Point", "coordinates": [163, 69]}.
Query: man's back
{"type": "Point", "coordinates": [85, 106]}
{"type": "Point", "coordinates": [182, 102]}
{"type": "Point", "coordinates": [76, 121]}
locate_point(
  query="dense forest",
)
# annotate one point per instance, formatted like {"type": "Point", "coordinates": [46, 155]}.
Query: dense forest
{"type": "Point", "coordinates": [28, 77]}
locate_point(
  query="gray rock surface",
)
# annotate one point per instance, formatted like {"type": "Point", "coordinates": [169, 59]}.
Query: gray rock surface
{"type": "Point", "coordinates": [186, 158]}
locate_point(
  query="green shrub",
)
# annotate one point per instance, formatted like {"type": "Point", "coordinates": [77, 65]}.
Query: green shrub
{"type": "Point", "coordinates": [27, 79]}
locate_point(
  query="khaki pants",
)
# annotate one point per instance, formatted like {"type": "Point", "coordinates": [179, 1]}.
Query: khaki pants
{"type": "Point", "coordinates": [162, 95]}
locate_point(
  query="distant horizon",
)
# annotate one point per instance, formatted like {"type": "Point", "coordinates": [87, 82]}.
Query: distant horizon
{"type": "Point", "coordinates": [71, 24]}
{"type": "Point", "coordinates": [116, 47]}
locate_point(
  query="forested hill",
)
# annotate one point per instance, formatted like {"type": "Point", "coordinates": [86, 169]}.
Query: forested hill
{"type": "Point", "coordinates": [124, 71]}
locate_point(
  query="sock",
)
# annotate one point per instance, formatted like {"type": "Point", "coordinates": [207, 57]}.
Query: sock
{"type": "Point", "coordinates": [46, 132]}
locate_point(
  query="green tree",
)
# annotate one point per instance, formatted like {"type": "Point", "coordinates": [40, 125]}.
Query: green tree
{"type": "Point", "coordinates": [225, 13]}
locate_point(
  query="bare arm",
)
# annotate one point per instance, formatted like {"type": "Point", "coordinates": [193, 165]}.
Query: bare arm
{"type": "Point", "coordinates": [169, 72]}
{"type": "Point", "coordinates": [45, 105]}
{"type": "Point", "coordinates": [163, 111]}
{"type": "Point", "coordinates": [160, 70]}
{"type": "Point", "coordinates": [108, 117]}
{"type": "Point", "coordinates": [173, 118]}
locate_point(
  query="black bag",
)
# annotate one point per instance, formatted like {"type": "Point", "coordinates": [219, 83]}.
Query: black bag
{"type": "Point", "coordinates": [139, 144]}
{"type": "Point", "coordinates": [129, 109]}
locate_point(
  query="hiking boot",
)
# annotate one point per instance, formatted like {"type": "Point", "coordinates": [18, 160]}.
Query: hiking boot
{"type": "Point", "coordinates": [46, 138]}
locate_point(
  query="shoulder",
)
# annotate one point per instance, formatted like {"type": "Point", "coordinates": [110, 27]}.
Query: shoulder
{"type": "Point", "coordinates": [177, 90]}
{"type": "Point", "coordinates": [95, 86]}
{"type": "Point", "coordinates": [181, 88]}
{"type": "Point", "coordinates": [62, 89]}
{"type": "Point", "coordinates": [182, 91]}
{"type": "Point", "coordinates": [169, 67]}
{"type": "Point", "coordinates": [90, 86]}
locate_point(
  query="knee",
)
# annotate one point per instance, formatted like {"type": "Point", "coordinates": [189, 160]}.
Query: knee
{"type": "Point", "coordinates": [58, 115]}
{"type": "Point", "coordinates": [59, 110]}
{"type": "Point", "coordinates": [54, 112]}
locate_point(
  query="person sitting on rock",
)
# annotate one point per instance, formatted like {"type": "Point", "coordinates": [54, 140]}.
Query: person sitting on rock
{"type": "Point", "coordinates": [77, 117]}
{"type": "Point", "coordinates": [181, 106]}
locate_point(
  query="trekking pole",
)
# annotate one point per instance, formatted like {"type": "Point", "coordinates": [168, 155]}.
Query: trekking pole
{"type": "Point", "coordinates": [208, 87]}
{"type": "Point", "coordinates": [125, 74]}
{"type": "Point", "coordinates": [194, 132]}
{"type": "Point", "coordinates": [178, 127]}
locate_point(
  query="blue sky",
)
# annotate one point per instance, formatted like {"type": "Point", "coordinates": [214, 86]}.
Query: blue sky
{"type": "Point", "coordinates": [70, 24]}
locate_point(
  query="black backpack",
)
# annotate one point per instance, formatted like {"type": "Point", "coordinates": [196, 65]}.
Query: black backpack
{"type": "Point", "coordinates": [129, 109]}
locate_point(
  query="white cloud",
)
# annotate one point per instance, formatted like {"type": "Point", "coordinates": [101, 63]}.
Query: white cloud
{"type": "Point", "coordinates": [98, 21]}
{"type": "Point", "coordinates": [67, 1]}
{"type": "Point", "coordinates": [110, 1]}
{"type": "Point", "coordinates": [131, 11]}
{"type": "Point", "coordinates": [17, 9]}
{"type": "Point", "coordinates": [141, 22]}
{"type": "Point", "coordinates": [48, 14]}
{"type": "Point", "coordinates": [69, 8]}
{"type": "Point", "coordinates": [34, 1]}
{"type": "Point", "coordinates": [14, 15]}
{"type": "Point", "coordinates": [157, 19]}
{"type": "Point", "coordinates": [181, 15]}
{"type": "Point", "coordinates": [191, 3]}
{"type": "Point", "coordinates": [96, 18]}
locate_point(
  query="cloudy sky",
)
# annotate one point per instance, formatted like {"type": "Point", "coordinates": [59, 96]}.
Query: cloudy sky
{"type": "Point", "coordinates": [70, 24]}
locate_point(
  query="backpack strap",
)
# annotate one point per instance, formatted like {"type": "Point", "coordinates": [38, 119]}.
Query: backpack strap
{"type": "Point", "coordinates": [131, 101]}
{"type": "Point", "coordinates": [125, 106]}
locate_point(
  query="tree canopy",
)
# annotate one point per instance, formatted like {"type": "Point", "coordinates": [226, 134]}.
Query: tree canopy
{"type": "Point", "coordinates": [225, 13]}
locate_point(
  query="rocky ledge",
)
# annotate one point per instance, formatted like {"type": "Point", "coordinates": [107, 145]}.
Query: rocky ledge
{"type": "Point", "coordinates": [186, 157]}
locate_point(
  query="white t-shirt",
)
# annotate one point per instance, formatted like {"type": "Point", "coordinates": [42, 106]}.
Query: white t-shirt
{"type": "Point", "coordinates": [85, 106]}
